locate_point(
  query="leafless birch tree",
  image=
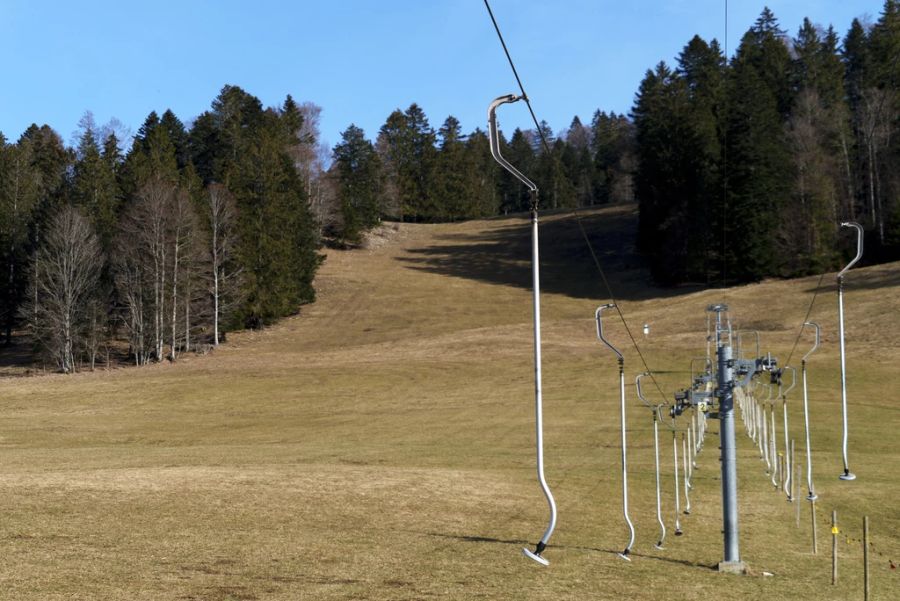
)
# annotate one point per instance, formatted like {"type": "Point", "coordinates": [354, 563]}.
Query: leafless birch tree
{"type": "Point", "coordinates": [221, 214]}
{"type": "Point", "coordinates": [66, 273]}
{"type": "Point", "coordinates": [878, 113]}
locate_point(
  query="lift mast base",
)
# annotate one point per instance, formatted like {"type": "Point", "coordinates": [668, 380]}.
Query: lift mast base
{"type": "Point", "coordinates": [732, 567]}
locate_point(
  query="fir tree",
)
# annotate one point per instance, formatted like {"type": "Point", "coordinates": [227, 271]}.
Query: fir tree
{"type": "Point", "coordinates": [758, 157]}
{"type": "Point", "coordinates": [20, 191]}
{"type": "Point", "coordinates": [358, 172]}
{"type": "Point", "coordinates": [451, 178]}
{"type": "Point", "coordinates": [94, 188]}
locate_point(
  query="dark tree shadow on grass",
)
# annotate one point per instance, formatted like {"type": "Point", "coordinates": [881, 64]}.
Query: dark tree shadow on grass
{"type": "Point", "coordinates": [502, 255]}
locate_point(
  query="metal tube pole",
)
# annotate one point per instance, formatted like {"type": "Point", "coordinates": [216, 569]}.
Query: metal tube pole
{"type": "Point", "coordinates": [708, 340]}
{"type": "Point", "coordinates": [687, 486]}
{"type": "Point", "coordinates": [494, 140]}
{"type": "Point", "coordinates": [538, 397]}
{"type": "Point", "coordinates": [751, 416]}
{"type": "Point", "coordinates": [757, 435]}
{"type": "Point", "coordinates": [677, 484]}
{"type": "Point", "coordinates": [847, 475]}
{"type": "Point", "coordinates": [599, 319]}
{"type": "Point", "coordinates": [764, 440]}
{"type": "Point", "coordinates": [790, 462]}
{"type": "Point", "coordinates": [794, 485]}
{"type": "Point", "coordinates": [811, 491]}
{"type": "Point", "coordinates": [659, 518]}
{"type": "Point", "coordinates": [690, 438]}
{"type": "Point", "coordinates": [624, 554]}
{"type": "Point", "coordinates": [656, 418]}
{"type": "Point", "coordinates": [732, 555]}
{"type": "Point", "coordinates": [773, 452]}
{"type": "Point", "coordinates": [729, 459]}
{"type": "Point", "coordinates": [781, 465]}
{"type": "Point", "coordinates": [694, 438]}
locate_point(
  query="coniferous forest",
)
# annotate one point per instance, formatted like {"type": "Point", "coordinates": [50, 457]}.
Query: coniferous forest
{"type": "Point", "coordinates": [158, 243]}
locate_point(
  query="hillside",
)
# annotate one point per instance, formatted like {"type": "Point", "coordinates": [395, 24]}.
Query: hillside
{"type": "Point", "coordinates": [380, 444]}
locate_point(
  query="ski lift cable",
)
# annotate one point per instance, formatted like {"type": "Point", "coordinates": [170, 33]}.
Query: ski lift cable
{"type": "Point", "coordinates": [546, 146]}
{"type": "Point", "coordinates": [725, 180]}
{"type": "Point", "coordinates": [655, 408]}
{"type": "Point", "coordinates": [806, 318]}
{"type": "Point", "coordinates": [516, 73]}
{"type": "Point", "coordinates": [613, 300]}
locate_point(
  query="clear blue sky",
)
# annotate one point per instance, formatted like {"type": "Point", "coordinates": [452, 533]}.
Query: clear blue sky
{"type": "Point", "coordinates": [357, 59]}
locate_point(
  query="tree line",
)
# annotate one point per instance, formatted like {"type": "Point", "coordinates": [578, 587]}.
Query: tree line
{"type": "Point", "coordinates": [199, 229]}
{"type": "Point", "coordinates": [191, 232]}
{"type": "Point", "coordinates": [742, 167]}
{"type": "Point", "coordinates": [413, 173]}
{"type": "Point", "coordinates": [746, 167]}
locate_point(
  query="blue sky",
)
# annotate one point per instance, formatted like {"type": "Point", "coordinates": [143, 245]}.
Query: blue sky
{"type": "Point", "coordinates": [357, 59]}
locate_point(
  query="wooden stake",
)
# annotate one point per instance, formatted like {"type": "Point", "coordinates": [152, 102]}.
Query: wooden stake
{"type": "Point", "coordinates": [794, 486]}
{"type": "Point", "coordinates": [866, 556]}
{"type": "Point", "coordinates": [834, 533]}
{"type": "Point", "coordinates": [815, 538]}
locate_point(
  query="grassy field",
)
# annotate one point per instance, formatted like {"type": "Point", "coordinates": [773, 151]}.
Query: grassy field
{"type": "Point", "coordinates": [380, 444]}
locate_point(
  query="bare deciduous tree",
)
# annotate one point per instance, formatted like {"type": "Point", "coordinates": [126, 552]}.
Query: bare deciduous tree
{"type": "Point", "coordinates": [224, 281]}
{"type": "Point", "coordinates": [66, 273]}
{"type": "Point", "coordinates": [311, 158]}
{"type": "Point", "coordinates": [808, 227]}
{"type": "Point", "coordinates": [182, 223]}
{"type": "Point", "coordinates": [130, 279]}
{"type": "Point", "coordinates": [142, 265]}
{"type": "Point", "coordinates": [878, 114]}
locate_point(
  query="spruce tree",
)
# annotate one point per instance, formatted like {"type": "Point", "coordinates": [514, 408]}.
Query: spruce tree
{"type": "Point", "coordinates": [358, 171]}
{"type": "Point", "coordinates": [577, 163]}
{"type": "Point", "coordinates": [94, 188]}
{"type": "Point", "coordinates": [519, 152]}
{"type": "Point", "coordinates": [277, 236]}
{"type": "Point", "coordinates": [451, 179]}
{"type": "Point", "coordinates": [20, 189]}
{"type": "Point", "coordinates": [178, 137]}
{"type": "Point", "coordinates": [759, 166]}
{"type": "Point", "coordinates": [394, 149]}
{"type": "Point", "coordinates": [417, 170]}
{"type": "Point", "coordinates": [483, 181]}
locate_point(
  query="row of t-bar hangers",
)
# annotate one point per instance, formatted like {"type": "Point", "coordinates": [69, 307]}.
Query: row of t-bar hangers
{"type": "Point", "coordinates": [758, 421]}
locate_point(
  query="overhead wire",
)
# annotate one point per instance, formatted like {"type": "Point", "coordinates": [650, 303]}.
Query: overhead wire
{"type": "Point", "coordinates": [725, 176]}
{"type": "Point", "coordinates": [596, 260]}
{"type": "Point", "coordinates": [893, 71]}
{"type": "Point", "coordinates": [806, 318]}
{"type": "Point", "coordinates": [546, 145]}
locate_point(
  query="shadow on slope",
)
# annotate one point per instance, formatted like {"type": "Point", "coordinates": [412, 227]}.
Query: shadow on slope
{"type": "Point", "coordinates": [874, 277]}
{"type": "Point", "coordinates": [502, 255]}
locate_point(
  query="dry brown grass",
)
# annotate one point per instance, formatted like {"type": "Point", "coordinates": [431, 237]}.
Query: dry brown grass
{"type": "Point", "coordinates": [379, 445]}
